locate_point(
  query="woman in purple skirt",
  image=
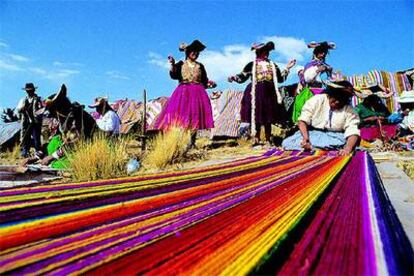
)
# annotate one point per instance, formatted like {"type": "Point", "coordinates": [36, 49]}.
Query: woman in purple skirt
{"type": "Point", "coordinates": [189, 106]}
{"type": "Point", "coordinates": [262, 100]}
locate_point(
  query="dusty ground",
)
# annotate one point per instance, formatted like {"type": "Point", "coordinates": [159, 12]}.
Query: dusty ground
{"type": "Point", "coordinates": [399, 187]}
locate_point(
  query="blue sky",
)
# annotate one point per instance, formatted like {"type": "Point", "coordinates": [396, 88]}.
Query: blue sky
{"type": "Point", "coordinates": [118, 48]}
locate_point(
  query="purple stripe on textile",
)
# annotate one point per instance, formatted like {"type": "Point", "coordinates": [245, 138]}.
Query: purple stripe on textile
{"type": "Point", "coordinates": [155, 212]}
{"type": "Point", "coordinates": [334, 243]}
{"type": "Point", "coordinates": [182, 221]}
{"type": "Point", "coordinates": [71, 205]}
{"type": "Point", "coordinates": [59, 187]}
{"type": "Point", "coordinates": [371, 268]}
{"type": "Point", "coordinates": [172, 228]}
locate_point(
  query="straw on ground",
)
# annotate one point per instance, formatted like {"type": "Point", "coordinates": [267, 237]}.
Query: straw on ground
{"type": "Point", "coordinates": [99, 158]}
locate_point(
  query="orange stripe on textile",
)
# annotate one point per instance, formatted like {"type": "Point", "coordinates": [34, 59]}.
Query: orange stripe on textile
{"type": "Point", "coordinates": [226, 219]}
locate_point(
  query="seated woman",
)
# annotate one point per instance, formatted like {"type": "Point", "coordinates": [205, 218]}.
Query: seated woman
{"type": "Point", "coordinates": [108, 120]}
{"type": "Point", "coordinates": [327, 121]}
{"type": "Point", "coordinates": [406, 101]}
{"type": "Point", "coordinates": [373, 119]}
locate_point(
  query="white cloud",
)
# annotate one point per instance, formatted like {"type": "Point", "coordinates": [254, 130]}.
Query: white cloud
{"type": "Point", "coordinates": [11, 62]}
{"type": "Point", "coordinates": [58, 75]}
{"type": "Point", "coordinates": [67, 64]}
{"type": "Point", "coordinates": [38, 71]}
{"type": "Point", "coordinates": [158, 60]}
{"type": "Point", "coordinates": [4, 45]}
{"type": "Point", "coordinates": [9, 66]}
{"type": "Point", "coordinates": [231, 59]}
{"type": "Point", "coordinates": [117, 75]}
{"type": "Point", "coordinates": [18, 58]}
{"type": "Point", "coordinates": [287, 48]}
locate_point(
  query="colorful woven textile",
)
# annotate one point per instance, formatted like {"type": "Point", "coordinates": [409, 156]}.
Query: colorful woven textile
{"type": "Point", "coordinates": [128, 112]}
{"type": "Point", "coordinates": [396, 82]}
{"type": "Point", "coordinates": [228, 121]}
{"type": "Point", "coordinates": [234, 218]}
{"type": "Point", "coordinates": [154, 108]}
{"type": "Point", "coordinates": [8, 130]}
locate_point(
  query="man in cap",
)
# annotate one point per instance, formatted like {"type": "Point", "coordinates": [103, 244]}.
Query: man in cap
{"type": "Point", "coordinates": [31, 121]}
{"type": "Point", "coordinates": [74, 123]}
{"type": "Point", "coordinates": [108, 121]}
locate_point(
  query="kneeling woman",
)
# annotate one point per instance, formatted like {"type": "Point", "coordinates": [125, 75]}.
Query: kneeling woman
{"type": "Point", "coordinates": [327, 122]}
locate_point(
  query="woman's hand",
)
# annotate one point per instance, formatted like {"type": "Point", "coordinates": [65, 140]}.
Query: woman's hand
{"type": "Point", "coordinates": [344, 152]}
{"type": "Point", "coordinates": [291, 64]}
{"type": "Point", "coordinates": [322, 68]}
{"type": "Point", "coordinates": [171, 60]}
{"type": "Point", "coordinates": [306, 144]}
{"type": "Point", "coordinates": [374, 118]}
{"type": "Point", "coordinates": [211, 84]}
{"type": "Point", "coordinates": [47, 160]}
{"type": "Point", "coordinates": [371, 119]}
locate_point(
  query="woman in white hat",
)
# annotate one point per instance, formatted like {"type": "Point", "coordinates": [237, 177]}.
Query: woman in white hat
{"type": "Point", "coordinates": [108, 120]}
{"type": "Point", "coordinates": [406, 101]}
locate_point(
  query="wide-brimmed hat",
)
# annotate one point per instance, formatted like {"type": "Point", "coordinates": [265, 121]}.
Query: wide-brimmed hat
{"type": "Point", "coordinates": [98, 102]}
{"type": "Point", "coordinates": [196, 45]}
{"type": "Point", "coordinates": [346, 88]}
{"type": "Point", "coordinates": [322, 46]}
{"type": "Point", "coordinates": [365, 90]}
{"type": "Point", "coordinates": [261, 46]}
{"type": "Point", "coordinates": [406, 97]}
{"type": "Point", "coordinates": [29, 86]}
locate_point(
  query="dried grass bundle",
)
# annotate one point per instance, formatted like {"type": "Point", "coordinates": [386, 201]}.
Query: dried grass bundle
{"type": "Point", "coordinates": [99, 158]}
{"type": "Point", "coordinates": [167, 148]}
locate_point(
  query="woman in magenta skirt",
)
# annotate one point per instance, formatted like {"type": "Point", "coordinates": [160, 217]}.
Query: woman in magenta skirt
{"type": "Point", "coordinates": [189, 105]}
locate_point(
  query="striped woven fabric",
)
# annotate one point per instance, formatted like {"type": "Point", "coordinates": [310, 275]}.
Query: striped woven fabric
{"type": "Point", "coordinates": [8, 130]}
{"type": "Point", "coordinates": [234, 218]}
{"type": "Point", "coordinates": [228, 121]}
{"type": "Point", "coordinates": [396, 82]}
{"type": "Point", "coordinates": [154, 108]}
{"type": "Point", "coordinates": [128, 112]}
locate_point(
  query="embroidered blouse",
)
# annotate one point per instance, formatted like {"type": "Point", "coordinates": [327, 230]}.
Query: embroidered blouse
{"type": "Point", "coordinates": [318, 114]}
{"type": "Point", "coordinates": [109, 122]}
{"type": "Point", "coordinates": [311, 76]}
{"type": "Point", "coordinates": [186, 72]}
{"type": "Point", "coordinates": [263, 72]}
